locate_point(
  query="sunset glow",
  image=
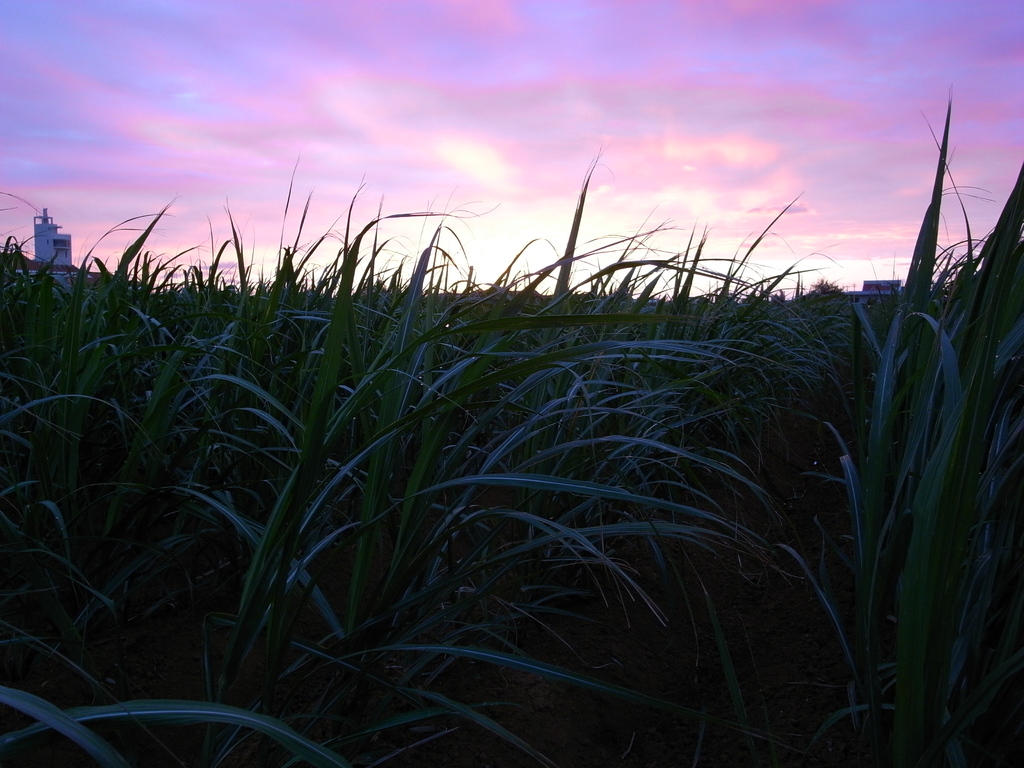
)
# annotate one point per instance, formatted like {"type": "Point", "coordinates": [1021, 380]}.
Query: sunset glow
{"type": "Point", "coordinates": [704, 116]}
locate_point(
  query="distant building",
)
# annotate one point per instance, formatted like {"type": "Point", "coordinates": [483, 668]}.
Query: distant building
{"type": "Point", "coordinates": [52, 251]}
{"type": "Point", "coordinates": [873, 290]}
{"type": "Point", "coordinates": [50, 246]}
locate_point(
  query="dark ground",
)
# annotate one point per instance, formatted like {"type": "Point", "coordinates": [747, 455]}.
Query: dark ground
{"type": "Point", "coordinates": [784, 650]}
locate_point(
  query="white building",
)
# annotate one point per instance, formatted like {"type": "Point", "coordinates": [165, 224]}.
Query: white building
{"type": "Point", "coordinates": [51, 247]}
{"type": "Point", "coordinates": [876, 289]}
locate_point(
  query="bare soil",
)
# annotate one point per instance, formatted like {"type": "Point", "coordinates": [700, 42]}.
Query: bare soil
{"type": "Point", "coordinates": [784, 650]}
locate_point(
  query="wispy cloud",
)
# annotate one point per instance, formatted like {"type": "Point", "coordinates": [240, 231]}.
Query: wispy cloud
{"type": "Point", "coordinates": [703, 114]}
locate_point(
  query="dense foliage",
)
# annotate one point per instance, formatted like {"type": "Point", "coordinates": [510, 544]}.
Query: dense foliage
{"type": "Point", "coordinates": [464, 456]}
{"type": "Point", "coordinates": [361, 474]}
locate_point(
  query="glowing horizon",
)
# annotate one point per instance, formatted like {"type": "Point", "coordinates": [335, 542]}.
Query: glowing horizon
{"type": "Point", "coordinates": [704, 117]}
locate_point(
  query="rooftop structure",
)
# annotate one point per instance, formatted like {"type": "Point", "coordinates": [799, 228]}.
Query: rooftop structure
{"type": "Point", "coordinates": [873, 290]}
{"type": "Point", "coordinates": [50, 246]}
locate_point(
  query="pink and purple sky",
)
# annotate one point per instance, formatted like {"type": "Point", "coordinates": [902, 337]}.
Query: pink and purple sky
{"type": "Point", "coordinates": [705, 115]}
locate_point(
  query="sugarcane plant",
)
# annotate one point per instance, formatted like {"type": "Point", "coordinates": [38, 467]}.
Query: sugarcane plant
{"type": "Point", "coordinates": [386, 470]}
{"type": "Point", "coordinates": [935, 481]}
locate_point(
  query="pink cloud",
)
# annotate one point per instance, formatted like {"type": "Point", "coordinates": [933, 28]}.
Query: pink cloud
{"type": "Point", "coordinates": [489, 17]}
{"type": "Point", "coordinates": [790, 210]}
{"type": "Point", "coordinates": [714, 113]}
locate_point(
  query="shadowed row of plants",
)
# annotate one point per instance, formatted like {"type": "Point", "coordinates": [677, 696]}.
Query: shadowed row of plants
{"type": "Point", "coordinates": [935, 480]}
{"type": "Point", "coordinates": [366, 473]}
